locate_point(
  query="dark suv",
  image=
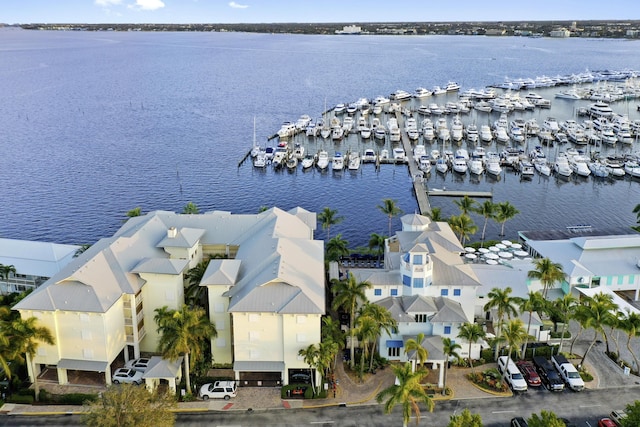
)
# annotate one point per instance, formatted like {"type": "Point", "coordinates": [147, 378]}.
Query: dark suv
{"type": "Point", "coordinates": [548, 374]}
{"type": "Point", "coordinates": [518, 422]}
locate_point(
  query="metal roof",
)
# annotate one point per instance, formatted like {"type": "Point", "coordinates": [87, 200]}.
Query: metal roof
{"type": "Point", "coordinates": [83, 365]}
{"type": "Point", "coordinates": [163, 368]}
{"type": "Point", "coordinates": [32, 258]}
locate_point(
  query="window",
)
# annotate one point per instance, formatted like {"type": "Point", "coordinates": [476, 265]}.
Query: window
{"type": "Point", "coordinates": [394, 292]}
{"type": "Point", "coordinates": [218, 307]}
{"type": "Point", "coordinates": [417, 259]}
{"type": "Point", "coordinates": [221, 342]}
{"type": "Point", "coordinates": [406, 280]}
{"type": "Point", "coordinates": [447, 330]}
{"type": "Point", "coordinates": [444, 292]}
{"type": "Point", "coordinates": [393, 352]}
{"type": "Point", "coordinates": [220, 324]}
{"type": "Point", "coordinates": [456, 292]}
{"type": "Point", "coordinates": [418, 282]}
{"type": "Point", "coordinates": [620, 280]}
{"type": "Point", "coordinates": [421, 318]}
{"type": "Point", "coordinates": [377, 292]}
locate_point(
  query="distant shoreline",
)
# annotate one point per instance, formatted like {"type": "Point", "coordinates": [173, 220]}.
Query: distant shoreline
{"type": "Point", "coordinates": [622, 29]}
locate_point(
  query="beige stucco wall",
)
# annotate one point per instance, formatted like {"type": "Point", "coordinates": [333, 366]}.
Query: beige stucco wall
{"type": "Point", "coordinates": [221, 346]}
{"type": "Point", "coordinates": [160, 290]}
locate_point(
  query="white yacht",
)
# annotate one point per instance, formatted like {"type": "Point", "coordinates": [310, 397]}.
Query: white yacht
{"type": "Point", "coordinates": [607, 135]}
{"type": "Point", "coordinates": [369, 156]}
{"type": "Point", "coordinates": [561, 165]}
{"type": "Point", "coordinates": [516, 134]}
{"type": "Point", "coordinates": [486, 135]}
{"type": "Point", "coordinates": [526, 168]}
{"type": "Point", "coordinates": [460, 165]}
{"type": "Point", "coordinates": [551, 124]}
{"type": "Point", "coordinates": [475, 165]}
{"type": "Point", "coordinates": [424, 164]}
{"type": "Point", "coordinates": [428, 133]}
{"type": "Point", "coordinates": [492, 163]}
{"type": "Point", "coordinates": [399, 155]}
{"type": "Point", "coordinates": [471, 133]}
{"type": "Point", "coordinates": [456, 129]}
{"type": "Point", "coordinates": [442, 166]}
{"type": "Point", "coordinates": [380, 133]}
{"type": "Point", "coordinates": [381, 100]}
{"type": "Point", "coordinates": [400, 95]}
{"type": "Point", "coordinates": [337, 162]}
{"type": "Point", "coordinates": [419, 151]}
{"type": "Point", "coordinates": [615, 166]}
{"type": "Point", "coordinates": [600, 109]}
{"type": "Point", "coordinates": [578, 164]}
{"type": "Point", "coordinates": [442, 130]}
{"type": "Point", "coordinates": [323, 160]}
{"type": "Point", "coordinates": [421, 92]}
{"type": "Point", "coordinates": [434, 155]}
{"type": "Point", "coordinates": [260, 160]}
{"type": "Point", "coordinates": [298, 151]}
{"type": "Point", "coordinates": [501, 135]}
{"type": "Point", "coordinates": [452, 87]}
{"type": "Point", "coordinates": [354, 161]}
{"type": "Point", "coordinates": [307, 162]}
{"type": "Point", "coordinates": [632, 168]}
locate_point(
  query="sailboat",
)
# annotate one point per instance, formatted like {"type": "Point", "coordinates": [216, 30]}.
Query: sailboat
{"type": "Point", "coordinates": [325, 132]}
{"type": "Point", "coordinates": [259, 155]}
{"type": "Point", "coordinates": [255, 150]}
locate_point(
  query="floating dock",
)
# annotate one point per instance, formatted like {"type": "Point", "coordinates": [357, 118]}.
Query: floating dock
{"type": "Point", "coordinates": [459, 193]}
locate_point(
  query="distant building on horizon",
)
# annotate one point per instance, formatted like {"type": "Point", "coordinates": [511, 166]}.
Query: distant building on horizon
{"type": "Point", "coordinates": [350, 29]}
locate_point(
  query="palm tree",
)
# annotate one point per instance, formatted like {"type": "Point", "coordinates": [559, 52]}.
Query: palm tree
{"type": "Point", "coordinates": [636, 211]}
{"type": "Point", "coordinates": [183, 332]}
{"type": "Point", "coordinates": [407, 392]}
{"type": "Point", "coordinates": [82, 249]}
{"type": "Point", "coordinates": [504, 304]}
{"type": "Point", "coordinates": [472, 333]}
{"type": "Point", "coordinates": [462, 225]}
{"type": "Point", "coordinates": [566, 307]}
{"type": "Point", "coordinates": [436, 214]}
{"type": "Point", "coordinates": [5, 271]}
{"type": "Point", "coordinates": [547, 272]}
{"type": "Point", "coordinates": [390, 209]}
{"type": "Point", "coordinates": [534, 303]}
{"type": "Point", "coordinates": [348, 294]}
{"type": "Point", "coordinates": [383, 319]}
{"type": "Point", "coordinates": [466, 204]}
{"type": "Point", "coordinates": [597, 309]}
{"type": "Point", "coordinates": [631, 325]}
{"type": "Point", "coordinates": [449, 349]}
{"type": "Point", "coordinates": [367, 330]}
{"type": "Point", "coordinates": [486, 210]}
{"type": "Point", "coordinates": [310, 356]}
{"type": "Point", "coordinates": [504, 212]}
{"type": "Point", "coordinates": [376, 241]}
{"type": "Point", "coordinates": [190, 208]}
{"type": "Point", "coordinates": [329, 217]}
{"type": "Point", "coordinates": [23, 337]}
{"type": "Point", "coordinates": [514, 334]}
{"type": "Point", "coordinates": [194, 293]}
{"type": "Point", "coordinates": [332, 333]}
{"type": "Point", "coordinates": [336, 248]}
{"type": "Point", "coordinates": [415, 344]}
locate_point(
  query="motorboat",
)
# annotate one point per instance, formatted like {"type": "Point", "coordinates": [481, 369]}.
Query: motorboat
{"type": "Point", "coordinates": [424, 110]}
{"type": "Point", "coordinates": [337, 133]}
{"type": "Point", "coordinates": [615, 166]}
{"type": "Point", "coordinates": [428, 133]}
{"type": "Point", "coordinates": [260, 160]}
{"type": "Point", "coordinates": [347, 125]}
{"type": "Point", "coordinates": [531, 127]}
{"type": "Point", "coordinates": [302, 122]}
{"type": "Point", "coordinates": [483, 106]}
{"type": "Point", "coordinates": [456, 129]}
{"type": "Point", "coordinates": [369, 156]}
{"type": "Point", "coordinates": [492, 163]}
{"type": "Point", "coordinates": [632, 168]}
{"type": "Point", "coordinates": [337, 162]}
{"type": "Point", "coordinates": [442, 166]}
{"type": "Point", "coordinates": [365, 132]}
{"type": "Point", "coordinates": [541, 165]}
{"type": "Point", "coordinates": [452, 87]}
{"type": "Point", "coordinates": [280, 157]}
{"type": "Point", "coordinates": [471, 133]}
{"type": "Point", "coordinates": [354, 161]}
{"type": "Point", "coordinates": [607, 135]}
{"type": "Point", "coordinates": [526, 168]}
{"type": "Point", "coordinates": [436, 109]}
{"type": "Point", "coordinates": [424, 164]}
{"type": "Point", "coordinates": [434, 155]}
{"type": "Point", "coordinates": [578, 164]}
{"type": "Point", "coordinates": [538, 100]}
{"type": "Point", "coordinates": [551, 124]}
{"type": "Point", "coordinates": [339, 108]}
{"type": "Point", "coordinates": [486, 135]}
{"type": "Point", "coordinates": [437, 90]}
{"type": "Point", "coordinates": [380, 132]}
{"type": "Point", "coordinates": [307, 162]}
{"type": "Point", "coordinates": [460, 165]}
{"type": "Point", "coordinates": [298, 151]}
{"type": "Point", "coordinates": [292, 162]}
{"type": "Point", "coordinates": [394, 134]}
{"type": "Point", "coordinates": [545, 137]}
{"type": "Point", "coordinates": [419, 151]}
{"type": "Point", "coordinates": [352, 108]}
{"type": "Point", "coordinates": [475, 166]}
{"type": "Point", "coordinates": [598, 169]}
{"type": "Point", "coordinates": [561, 165]}
{"type": "Point", "coordinates": [442, 130]}
{"type": "Point", "coordinates": [287, 130]}
{"type": "Point", "coordinates": [516, 134]}
{"type": "Point", "coordinates": [380, 100]}
{"type": "Point", "coordinates": [501, 135]}
{"type": "Point", "coordinates": [399, 155]}
{"type": "Point", "coordinates": [384, 154]}
{"type": "Point", "coordinates": [400, 95]}
{"type": "Point", "coordinates": [600, 109]}
{"type": "Point", "coordinates": [269, 153]}
{"type": "Point", "coordinates": [577, 135]}
{"type": "Point", "coordinates": [421, 92]}
{"type": "Point", "coordinates": [561, 138]}
{"type": "Point", "coordinates": [323, 160]}
{"type": "Point", "coordinates": [462, 152]}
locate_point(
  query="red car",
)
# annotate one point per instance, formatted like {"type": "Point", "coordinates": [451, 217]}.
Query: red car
{"type": "Point", "coordinates": [606, 422]}
{"type": "Point", "coordinates": [529, 373]}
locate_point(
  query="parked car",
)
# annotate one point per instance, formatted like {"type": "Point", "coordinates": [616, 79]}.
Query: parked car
{"type": "Point", "coordinates": [126, 375]}
{"type": "Point", "coordinates": [218, 390]}
{"type": "Point", "coordinates": [617, 416]}
{"type": "Point", "coordinates": [548, 375]}
{"type": "Point", "coordinates": [606, 422]}
{"type": "Point", "coordinates": [511, 374]}
{"type": "Point", "coordinates": [140, 364]}
{"type": "Point", "coordinates": [529, 372]}
{"type": "Point", "coordinates": [518, 422]}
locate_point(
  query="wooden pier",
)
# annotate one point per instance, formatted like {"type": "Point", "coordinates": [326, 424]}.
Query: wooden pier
{"type": "Point", "coordinates": [460, 193]}
{"type": "Point", "coordinates": [419, 185]}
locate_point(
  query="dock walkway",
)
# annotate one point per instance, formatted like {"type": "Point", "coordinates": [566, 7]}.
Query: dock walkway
{"type": "Point", "coordinates": [419, 184]}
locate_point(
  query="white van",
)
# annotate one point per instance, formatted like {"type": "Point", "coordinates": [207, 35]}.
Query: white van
{"type": "Point", "coordinates": [511, 374]}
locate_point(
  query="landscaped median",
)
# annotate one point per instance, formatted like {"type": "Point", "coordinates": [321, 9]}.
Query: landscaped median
{"type": "Point", "coordinates": [489, 381]}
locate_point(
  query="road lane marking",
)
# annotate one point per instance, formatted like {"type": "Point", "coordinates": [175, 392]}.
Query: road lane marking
{"type": "Point", "coordinates": [502, 412]}
{"type": "Point", "coordinates": [321, 422]}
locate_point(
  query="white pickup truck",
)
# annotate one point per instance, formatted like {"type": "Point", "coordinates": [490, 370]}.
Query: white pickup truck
{"type": "Point", "coordinates": [568, 372]}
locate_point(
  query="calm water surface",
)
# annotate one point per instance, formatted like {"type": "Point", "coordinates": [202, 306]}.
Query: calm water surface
{"type": "Point", "coordinates": [94, 124]}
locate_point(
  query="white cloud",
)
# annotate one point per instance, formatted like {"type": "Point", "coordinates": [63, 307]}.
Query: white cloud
{"type": "Point", "coordinates": [237, 6]}
{"type": "Point", "coordinates": [148, 4]}
{"type": "Point", "coordinates": [107, 3]}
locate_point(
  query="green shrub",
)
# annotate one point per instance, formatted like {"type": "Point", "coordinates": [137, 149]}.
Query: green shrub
{"type": "Point", "coordinates": [76, 398]}
{"type": "Point", "coordinates": [26, 392]}
{"type": "Point", "coordinates": [487, 354]}
{"type": "Point", "coordinates": [17, 398]}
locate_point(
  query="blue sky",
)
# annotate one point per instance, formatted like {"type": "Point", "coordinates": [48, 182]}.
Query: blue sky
{"type": "Point", "coordinates": [265, 11]}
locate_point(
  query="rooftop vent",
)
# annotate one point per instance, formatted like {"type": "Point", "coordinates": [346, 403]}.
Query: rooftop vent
{"type": "Point", "coordinates": [172, 232]}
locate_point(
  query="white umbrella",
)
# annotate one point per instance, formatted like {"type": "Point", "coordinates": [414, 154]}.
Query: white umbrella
{"type": "Point", "coordinates": [491, 256]}
{"type": "Point", "coordinates": [516, 246]}
{"type": "Point", "coordinates": [491, 262]}
{"type": "Point", "coordinates": [470, 249]}
{"type": "Point", "coordinates": [471, 256]}
{"type": "Point", "coordinates": [483, 250]}
{"type": "Point", "coordinates": [520, 253]}
{"type": "Point", "coordinates": [505, 254]}
{"type": "Point", "coordinates": [506, 242]}
{"type": "Point", "coordinates": [501, 246]}
{"type": "Point", "coordinates": [494, 249]}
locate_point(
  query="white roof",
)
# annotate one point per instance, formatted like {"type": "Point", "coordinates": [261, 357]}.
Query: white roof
{"type": "Point", "coordinates": [36, 258]}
